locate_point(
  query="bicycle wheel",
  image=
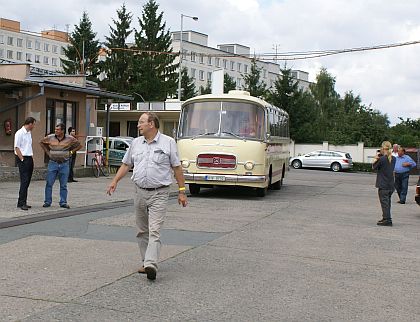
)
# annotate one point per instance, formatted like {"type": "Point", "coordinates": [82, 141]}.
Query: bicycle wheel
{"type": "Point", "coordinates": [95, 167]}
{"type": "Point", "coordinates": [105, 170]}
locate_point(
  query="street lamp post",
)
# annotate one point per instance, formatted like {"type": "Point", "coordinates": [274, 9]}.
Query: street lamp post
{"type": "Point", "coordinates": [180, 53]}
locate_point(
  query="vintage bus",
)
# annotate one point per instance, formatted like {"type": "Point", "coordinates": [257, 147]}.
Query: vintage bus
{"type": "Point", "coordinates": [233, 139]}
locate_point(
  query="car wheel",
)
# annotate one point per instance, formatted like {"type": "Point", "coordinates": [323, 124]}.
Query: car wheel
{"type": "Point", "coordinates": [336, 167]}
{"type": "Point", "coordinates": [261, 192]}
{"type": "Point", "coordinates": [297, 164]}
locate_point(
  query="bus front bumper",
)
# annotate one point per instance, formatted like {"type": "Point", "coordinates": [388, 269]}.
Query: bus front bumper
{"type": "Point", "coordinates": [209, 178]}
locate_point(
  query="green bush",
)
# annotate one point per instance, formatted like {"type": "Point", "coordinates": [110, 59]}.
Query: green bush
{"type": "Point", "coordinates": [362, 167]}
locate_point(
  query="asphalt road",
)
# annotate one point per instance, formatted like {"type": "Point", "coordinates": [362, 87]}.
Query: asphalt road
{"type": "Point", "coordinates": [309, 252]}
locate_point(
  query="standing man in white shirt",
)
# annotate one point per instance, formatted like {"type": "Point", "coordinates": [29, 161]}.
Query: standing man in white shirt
{"type": "Point", "coordinates": [152, 156]}
{"type": "Point", "coordinates": [25, 162]}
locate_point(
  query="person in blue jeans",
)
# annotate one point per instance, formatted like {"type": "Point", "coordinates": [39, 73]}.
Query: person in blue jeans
{"type": "Point", "coordinates": [402, 169]}
{"type": "Point", "coordinates": [59, 147]}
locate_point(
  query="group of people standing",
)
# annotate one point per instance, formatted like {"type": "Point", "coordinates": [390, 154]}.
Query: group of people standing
{"type": "Point", "coordinates": [393, 167]}
{"type": "Point", "coordinates": [61, 150]}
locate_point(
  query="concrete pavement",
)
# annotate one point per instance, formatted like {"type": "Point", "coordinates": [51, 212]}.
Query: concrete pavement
{"type": "Point", "coordinates": [311, 251]}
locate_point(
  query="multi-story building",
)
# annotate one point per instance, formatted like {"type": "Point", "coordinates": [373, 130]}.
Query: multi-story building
{"type": "Point", "coordinates": [43, 51]}
{"type": "Point", "coordinates": [201, 60]}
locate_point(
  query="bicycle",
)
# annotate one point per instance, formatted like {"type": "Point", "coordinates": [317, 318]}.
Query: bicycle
{"type": "Point", "coordinates": [98, 164]}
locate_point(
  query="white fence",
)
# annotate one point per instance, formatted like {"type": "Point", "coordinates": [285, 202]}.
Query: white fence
{"type": "Point", "coordinates": [357, 151]}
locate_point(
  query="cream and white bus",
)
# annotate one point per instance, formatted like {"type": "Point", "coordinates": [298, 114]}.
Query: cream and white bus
{"type": "Point", "coordinates": [233, 139]}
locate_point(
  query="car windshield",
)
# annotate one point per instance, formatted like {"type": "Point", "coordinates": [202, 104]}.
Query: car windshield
{"type": "Point", "coordinates": [222, 118]}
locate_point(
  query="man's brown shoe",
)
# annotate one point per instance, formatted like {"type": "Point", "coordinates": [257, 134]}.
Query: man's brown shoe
{"type": "Point", "coordinates": [151, 272]}
{"type": "Point", "coordinates": [142, 270]}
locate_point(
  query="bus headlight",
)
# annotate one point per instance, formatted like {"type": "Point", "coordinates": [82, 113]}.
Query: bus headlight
{"type": "Point", "coordinates": [185, 163]}
{"type": "Point", "coordinates": [249, 165]}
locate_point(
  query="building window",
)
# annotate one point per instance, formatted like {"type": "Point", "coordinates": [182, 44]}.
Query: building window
{"type": "Point", "coordinates": [10, 41]}
{"type": "Point", "coordinates": [184, 54]}
{"type": "Point", "coordinates": [217, 62]}
{"type": "Point", "coordinates": [232, 65]}
{"type": "Point", "coordinates": [238, 67]}
{"type": "Point", "coordinates": [54, 49]}
{"type": "Point", "coordinates": [238, 83]}
{"type": "Point", "coordinates": [46, 60]}
{"type": "Point", "coordinates": [46, 47]}
{"type": "Point", "coordinates": [201, 75]}
{"type": "Point", "coordinates": [1, 39]}
{"type": "Point", "coordinates": [265, 73]}
{"type": "Point", "coordinates": [209, 61]}
{"type": "Point", "coordinates": [20, 42]}
{"type": "Point", "coordinates": [37, 45]}
{"type": "Point", "coordinates": [54, 61]}
{"type": "Point", "coordinates": [29, 44]}
{"type": "Point", "coordinates": [1, 52]}
{"type": "Point", "coordinates": [193, 72]}
{"type": "Point", "coordinates": [246, 69]}
{"type": "Point", "coordinates": [60, 112]}
{"type": "Point", "coordinates": [209, 76]}
{"type": "Point", "coordinates": [62, 51]}
{"type": "Point", "coordinates": [201, 58]}
{"type": "Point", "coordinates": [225, 63]}
{"type": "Point", "coordinates": [193, 56]}
{"type": "Point", "coordinates": [19, 55]}
{"type": "Point", "coordinates": [9, 54]}
{"type": "Point", "coordinates": [28, 57]}
{"type": "Point", "coordinates": [37, 59]}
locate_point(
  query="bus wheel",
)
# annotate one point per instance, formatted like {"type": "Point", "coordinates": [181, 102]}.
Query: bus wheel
{"type": "Point", "coordinates": [277, 185]}
{"type": "Point", "coordinates": [194, 188]}
{"type": "Point", "coordinates": [261, 192]}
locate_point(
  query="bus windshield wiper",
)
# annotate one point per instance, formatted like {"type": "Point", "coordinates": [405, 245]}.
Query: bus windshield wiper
{"type": "Point", "coordinates": [202, 134]}
{"type": "Point", "coordinates": [233, 134]}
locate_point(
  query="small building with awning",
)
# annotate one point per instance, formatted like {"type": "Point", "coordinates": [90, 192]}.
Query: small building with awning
{"type": "Point", "coordinates": [50, 99]}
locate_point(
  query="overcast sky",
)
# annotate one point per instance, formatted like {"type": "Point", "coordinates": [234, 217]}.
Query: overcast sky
{"type": "Point", "coordinates": [389, 79]}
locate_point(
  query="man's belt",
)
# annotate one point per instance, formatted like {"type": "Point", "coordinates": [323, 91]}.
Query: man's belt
{"type": "Point", "coordinates": [59, 161]}
{"type": "Point", "coordinates": [152, 189]}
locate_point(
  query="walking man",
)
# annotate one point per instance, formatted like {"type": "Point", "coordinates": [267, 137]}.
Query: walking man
{"type": "Point", "coordinates": [402, 172]}
{"type": "Point", "coordinates": [72, 160]}
{"type": "Point", "coordinates": [24, 160]}
{"type": "Point", "coordinates": [59, 147]}
{"type": "Point", "coordinates": [384, 164]}
{"type": "Point", "coordinates": [152, 156]}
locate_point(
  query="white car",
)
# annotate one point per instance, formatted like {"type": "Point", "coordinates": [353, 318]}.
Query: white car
{"type": "Point", "coordinates": [117, 147]}
{"type": "Point", "coordinates": [334, 160]}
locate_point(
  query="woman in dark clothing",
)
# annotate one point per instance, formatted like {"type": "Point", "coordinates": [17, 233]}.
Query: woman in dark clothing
{"type": "Point", "coordinates": [72, 132]}
{"type": "Point", "coordinates": [384, 164]}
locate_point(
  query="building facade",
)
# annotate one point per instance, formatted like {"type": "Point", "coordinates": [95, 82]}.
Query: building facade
{"type": "Point", "coordinates": [43, 51]}
{"type": "Point", "coordinates": [235, 59]}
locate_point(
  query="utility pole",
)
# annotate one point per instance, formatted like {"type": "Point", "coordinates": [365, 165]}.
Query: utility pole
{"type": "Point", "coordinates": [275, 48]}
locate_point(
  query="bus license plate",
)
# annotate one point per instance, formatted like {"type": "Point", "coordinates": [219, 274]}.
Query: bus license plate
{"type": "Point", "coordinates": [215, 178]}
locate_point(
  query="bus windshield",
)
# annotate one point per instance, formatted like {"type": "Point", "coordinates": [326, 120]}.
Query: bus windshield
{"type": "Point", "coordinates": [227, 119]}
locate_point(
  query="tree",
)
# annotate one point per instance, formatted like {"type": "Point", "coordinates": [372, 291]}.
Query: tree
{"type": "Point", "coordinates": [154, 71]}
{"type": "Point", "coordinates": [207, 89]}
{"type": "Point", "coordinates": [253, 83]}
{"type": "Point", "coordinates": [83, 50]}
{"type": "Point", "coordinates": [406, 133]}
{"type": "Point", "coordinates": [187, 85]}
{"type": "Point", "coordinates": [228, 83]}
{"type": "Point", "coordinates": [117, 67]}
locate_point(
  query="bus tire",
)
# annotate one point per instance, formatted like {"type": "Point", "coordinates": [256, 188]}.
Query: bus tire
{"type": "Point", "coordinates": [277, 185]}
{"type": "Point", "coordinates": [194, 188]}
{"type": "Point", "coordinates": [261, 192]}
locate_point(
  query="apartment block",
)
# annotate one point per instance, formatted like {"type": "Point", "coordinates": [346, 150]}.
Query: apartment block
{"type": "Point", "coordinates": [42, 50]}
{"type": "Point", "coordinates": [235, 59]}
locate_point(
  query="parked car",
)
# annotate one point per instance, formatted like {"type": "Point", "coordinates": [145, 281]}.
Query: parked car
{"type": "Point", "coordinates": [418, 192]}
{"type": "Point", "coordinates": [334, 160]}
{"type": "Point", "coordinates": [117, 147]}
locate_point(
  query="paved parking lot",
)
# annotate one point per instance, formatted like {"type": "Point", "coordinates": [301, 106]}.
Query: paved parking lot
{"type": "Point", "coordinates": [309, 252]}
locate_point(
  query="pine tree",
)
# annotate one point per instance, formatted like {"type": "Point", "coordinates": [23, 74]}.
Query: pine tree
{"type": "Point", "coordinates": [82, 53]}
{"type": "Point", "coordinates": [187, 85]}
{"type": "Point", "coordinates": [228, 83]}
{"type": "Point", "coordinates": [117, 67]}
{"type": "Point", "coordinates": [207, 89]}
{"type": "Point", "coordinates": [253, 83]}
{"type": "Point", "coordinates": [285, 88]}
{"type": "Point", "coordinates": [154, 71]}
